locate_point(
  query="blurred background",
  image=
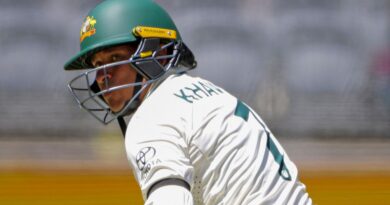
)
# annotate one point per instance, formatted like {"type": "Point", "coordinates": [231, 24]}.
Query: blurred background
{"type": "Point", "coordinates": [318, 72]}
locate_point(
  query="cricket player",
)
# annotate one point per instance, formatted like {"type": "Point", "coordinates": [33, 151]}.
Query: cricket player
{"type": "Point", "coordinates": [188, 141]}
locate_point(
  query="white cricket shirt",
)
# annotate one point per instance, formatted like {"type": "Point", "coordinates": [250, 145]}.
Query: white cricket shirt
{"type": "Point", "coordinates": [190, 129]}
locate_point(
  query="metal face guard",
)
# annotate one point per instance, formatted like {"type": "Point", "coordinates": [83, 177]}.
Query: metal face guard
{"type": "Point", "coordinates": [146, 61]}
{"type": "Point", "coordinates": [90, 98]}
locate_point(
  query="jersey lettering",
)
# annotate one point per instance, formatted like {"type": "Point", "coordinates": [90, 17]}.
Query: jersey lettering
{"type": "Point", "coordinates": [185, 96]}
{"type": "Point", "coordinates": [243, 111]}
{"type": "Point", "coordinates": [198, 91]}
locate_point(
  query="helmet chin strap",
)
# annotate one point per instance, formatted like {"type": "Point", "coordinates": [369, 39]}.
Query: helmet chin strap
{"type": "Point", "coordinates": [121, 120]}
{"type": "Point", "coordinates": [122, 125]}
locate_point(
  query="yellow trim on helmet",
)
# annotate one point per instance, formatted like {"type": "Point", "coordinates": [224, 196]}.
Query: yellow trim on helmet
{"type": "Point", "coordinates": [153, 32]}
{"type": "Point", "coordinates": [146, 54]}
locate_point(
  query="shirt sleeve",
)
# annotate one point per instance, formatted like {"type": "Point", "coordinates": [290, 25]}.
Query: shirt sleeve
{"type": "Point", "coordinates": [157, 149]}
{"type": "Point", "coordinates": [170, 194]}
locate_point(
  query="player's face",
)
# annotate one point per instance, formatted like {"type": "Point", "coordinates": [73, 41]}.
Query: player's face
{"type": "Point", "coordinates": [115, 76]}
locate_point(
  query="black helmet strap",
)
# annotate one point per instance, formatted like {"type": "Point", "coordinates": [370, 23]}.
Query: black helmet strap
{"type": "Point", "coordinates": [122, 125]}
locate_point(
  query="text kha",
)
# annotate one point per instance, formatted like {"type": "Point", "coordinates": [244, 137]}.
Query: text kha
{"type": "Point", "coordinates": [197, 91]}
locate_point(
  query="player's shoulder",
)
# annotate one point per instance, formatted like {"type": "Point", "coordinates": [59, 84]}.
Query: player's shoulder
{"type": "Point", "coordinates": [161, 109]}
{"type": "Point", "coordinates": [184, 89]}
{"type": "Point", "coordinates": [163, 100]}
{"type": "Point", "coordinates": [195, 89]}
{"type": "Point", "coordinates": [167, 92]}
{"type": "Point", "coordinates": [178, 94]}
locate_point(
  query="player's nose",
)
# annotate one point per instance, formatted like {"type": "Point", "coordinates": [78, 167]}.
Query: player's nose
{"type": "Point", "coordinates": [102, 76]}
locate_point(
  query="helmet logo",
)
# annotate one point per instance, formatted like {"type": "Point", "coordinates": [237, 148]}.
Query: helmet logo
{"type": "Point", "coordinates": [87, 28]}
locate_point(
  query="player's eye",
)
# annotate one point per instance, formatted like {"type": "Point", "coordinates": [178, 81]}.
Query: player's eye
{"type": "Point", "coordinates": [96, 64]}
{"type": "Point", "coordinates": [115, 58]}
{"type": "Point", "coordinates": [118, 57]}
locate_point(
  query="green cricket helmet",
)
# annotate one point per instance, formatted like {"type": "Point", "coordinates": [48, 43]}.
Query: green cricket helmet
{"type": "Point", "coordinates": [117, 22]}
